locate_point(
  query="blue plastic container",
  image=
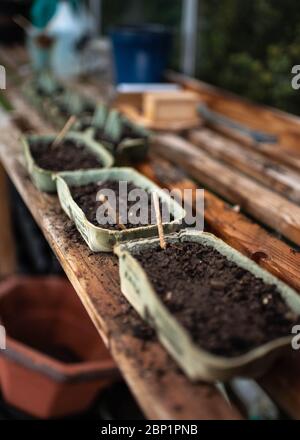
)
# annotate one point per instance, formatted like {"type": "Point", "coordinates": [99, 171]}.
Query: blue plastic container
{"type": "Point", "coordinates": [140, 53]}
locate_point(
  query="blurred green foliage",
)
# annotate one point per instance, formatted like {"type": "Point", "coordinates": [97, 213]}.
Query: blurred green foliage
{"type": "Point", "coordinates": [4, 103]}
{"type": "Point", "coordinates": [249, 47]}
{"type": "Point", "coordinates": [246, 46]}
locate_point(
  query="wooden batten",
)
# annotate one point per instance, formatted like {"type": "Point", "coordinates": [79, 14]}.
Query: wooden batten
{"type": "Point", "coordinates": [254, 116]}
{"type": "Point", "coordinates": [275, 151]}
{"type": "Point", "coordinates": [8, 258]}
{"type": "Point", "coordinates": [270, 173]}
{"type": "Point", "coordinates": [261, 203]}
{"type": "Point", "coordinates": [233, 227]}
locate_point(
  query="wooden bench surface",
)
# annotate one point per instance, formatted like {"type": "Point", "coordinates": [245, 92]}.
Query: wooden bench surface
{"type": "Point", "coordinates": [159, 386]}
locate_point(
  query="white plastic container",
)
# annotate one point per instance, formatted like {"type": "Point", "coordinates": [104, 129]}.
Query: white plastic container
{"type": "Point", "coordinates": [67, 28]}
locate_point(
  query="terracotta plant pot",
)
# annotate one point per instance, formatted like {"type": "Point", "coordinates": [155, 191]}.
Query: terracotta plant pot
{"type": "Point", "coordinates": [55, 362]}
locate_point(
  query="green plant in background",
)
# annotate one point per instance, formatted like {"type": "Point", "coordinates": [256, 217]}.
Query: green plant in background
{"type": "Point", "coordinates": [246, 46]}
{"type": "Point", "coordinates": [249, 47]}
{"type": "Point", "coordinates": [4, 103]}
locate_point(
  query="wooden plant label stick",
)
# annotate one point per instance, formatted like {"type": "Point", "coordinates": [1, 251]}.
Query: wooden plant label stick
{"type": "Point", "coordinates": [162, 240]}
{"type": "Point", "coordinates": [67, 127]}
{"type": "Point", "coordinates": [104, 199]}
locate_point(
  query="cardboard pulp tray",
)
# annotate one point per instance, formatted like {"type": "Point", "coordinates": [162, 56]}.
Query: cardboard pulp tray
{"type": "Point", "coordinates": [100, 239]}
{"type": "Point", "coordinates": [197, 363]}
{"type": "Point", "coordinates": [112, 123]}
{"type": "Point", "coordinates": [44, 179]}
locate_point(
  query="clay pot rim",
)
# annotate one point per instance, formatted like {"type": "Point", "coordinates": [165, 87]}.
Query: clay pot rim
{"type": "Point", "coordinates": [41, 362]}
{"type": "Point", "coordinates": [61, 372]}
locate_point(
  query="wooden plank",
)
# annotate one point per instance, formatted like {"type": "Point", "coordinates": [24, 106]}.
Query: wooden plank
{"type": "Point", "coordinates": [8, 261]}
{"type": "Point", "coordinates": [271, 151]}
{"type": "Point", "coordinates": [283, 124]}
{"type": "Point", "coordinates": [255, 116]}
{"type": "Point", "coordinates": [233, 227]}
{"type": "Point", "coordinates": [161, 389]}
{"type": "Point", "coordinates": [283, 384]}
{"type": "Point", "coordinates": [270, 173]}
{"type": "Point", "coordinates": [261, 203]}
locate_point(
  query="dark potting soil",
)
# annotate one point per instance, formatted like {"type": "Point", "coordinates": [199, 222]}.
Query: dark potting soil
{"type": "Point", "coordinates": [84, 124]}
{"type": "Point", "coordinates": [85, 197]}
{"type": "Point", "coordinates": [42, 92]}
{"type": "Point", "coordinates": [65, 109]}
{"type": "Point", "coordinates": [100, 136]}
{"type": "Point", "coordinates": [128, 132]}
{"type": "Point", "coordinates": [67, 156]}
{"type": "Point", "coordinates": [226, 309]}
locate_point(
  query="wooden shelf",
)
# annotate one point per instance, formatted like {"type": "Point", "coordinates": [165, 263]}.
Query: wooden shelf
{"type": "Point", "coordinates": [160, 388]}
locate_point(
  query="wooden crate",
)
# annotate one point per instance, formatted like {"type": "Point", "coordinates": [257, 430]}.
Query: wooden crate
{"type": "Point", "coordinates": [170, 106]}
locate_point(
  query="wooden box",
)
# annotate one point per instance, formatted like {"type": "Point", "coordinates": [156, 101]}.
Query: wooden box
{"type": "Point", "coordinates": [170, 106]}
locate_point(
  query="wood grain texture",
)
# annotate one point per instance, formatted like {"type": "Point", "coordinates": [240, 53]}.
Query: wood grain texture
{"type": "Point", "coordinates": [283, 384]}
{"type": "Point", "coordinates": [137, 117]}
{"type": "Point", "coordinates": [270, 173]}
{"type": "Point", "coordinates": [161, 389]}
{"type": "Point", "coordinates": [255, 116]}
{"type": "Point", "coordinates": [273, 151]}
{"type": "Point", "coordinates": [8, 261]}
{"type": "Point", "coordinates": [233, 227]}
{"type": "Point", "coordinates": [261, 203]}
